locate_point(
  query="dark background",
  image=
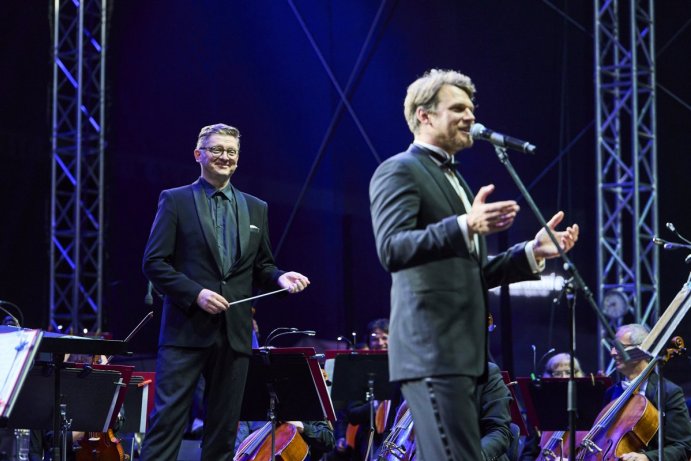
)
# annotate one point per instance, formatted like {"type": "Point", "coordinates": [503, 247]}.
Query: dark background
{"type": "Point", "coordinates": [270, 68]}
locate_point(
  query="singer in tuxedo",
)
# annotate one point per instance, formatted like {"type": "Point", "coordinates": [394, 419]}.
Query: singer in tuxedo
{"type": "Point", "coordinates": [430, 235]}
{"type": "Point", "coordinates": [209, 246]}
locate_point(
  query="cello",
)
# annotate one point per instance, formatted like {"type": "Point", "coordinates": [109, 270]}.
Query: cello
{"type": "Point", "coordinates": [289, 444]}
{"type": "Point", "coordinates": [628, 423]}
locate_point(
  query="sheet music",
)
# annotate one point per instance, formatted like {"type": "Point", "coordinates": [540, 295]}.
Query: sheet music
{"type": "Point", "coordinates": [17, 348]}
{"type": "Point", "coordinates": [659, 336]}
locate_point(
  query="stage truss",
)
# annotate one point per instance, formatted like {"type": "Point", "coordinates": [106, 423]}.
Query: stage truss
{"type": "Point", "coordinates": [77, 143]}
{"type": "Point", "coordinates": [627, 209]}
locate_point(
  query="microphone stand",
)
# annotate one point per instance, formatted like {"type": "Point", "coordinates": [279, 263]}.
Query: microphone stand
{"type": "Point", "coordinates": [578, 285]}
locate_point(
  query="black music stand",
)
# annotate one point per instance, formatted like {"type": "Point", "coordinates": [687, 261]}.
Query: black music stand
{"type": "Point", "coordinates": [58, 345]}
{"type": "Point", "coordinates": [293, 376]}
{"type": "Point", "coordinates": [545, 401]}
{"type": "Point", "coordinates": [285, 384]}
{"type": "Point", "coordinates": [89, 395]}
{"type": "Point", "coordinates": [359, 377]}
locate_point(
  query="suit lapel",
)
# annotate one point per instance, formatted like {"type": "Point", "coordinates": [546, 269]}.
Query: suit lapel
{"type": "Point", "coordinates": [439, 178]}
{"type": "Point", "coordinates": [243, 216]}
{"type": "Point", "coordinates": [202, 205]}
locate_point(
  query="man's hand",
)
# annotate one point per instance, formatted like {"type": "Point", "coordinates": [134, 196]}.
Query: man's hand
{"type": "Point", "coordinates": [293, 281]}
{"type": "Point", "coordinates": [488, 218]}
{"type": "Point", "coordinates": [544, 248]}
{"type": "Point", "coordinates": [211, 302]}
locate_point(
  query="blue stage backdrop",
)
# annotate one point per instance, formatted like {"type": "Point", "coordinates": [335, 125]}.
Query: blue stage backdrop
{"type": "Point", "coordinates": [316, 88]}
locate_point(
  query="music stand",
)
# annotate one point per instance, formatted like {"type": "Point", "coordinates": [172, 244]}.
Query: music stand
{"type": "Point", "coordinates": [352, 375]}
{"type": "Point", "coordinates": [516, 416]}
{"type": "Point", "coordinates": [138, 402]}
{"type": "Point", "coordinates": [358, 377]}
{"type": "Point", "coordinates": [285, 384]}
{"type": "Point", "coordinates": [58, 345]}
{"type": "Point", "coordinates": [89, 395]}
{"type": "Point", "coordinates": [545, 400]}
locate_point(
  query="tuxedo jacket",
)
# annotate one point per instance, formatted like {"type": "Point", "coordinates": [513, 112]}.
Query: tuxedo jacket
{"type": "Point", "coordinates": [677, 424]}
{"type": "Point", "coordinates": [439, 307]}
{"type": "Point", "coordinates": [182, 258]}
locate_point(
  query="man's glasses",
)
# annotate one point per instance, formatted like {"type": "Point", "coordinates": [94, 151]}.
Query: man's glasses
{"type": "Point", "coordinates": [217, 151]}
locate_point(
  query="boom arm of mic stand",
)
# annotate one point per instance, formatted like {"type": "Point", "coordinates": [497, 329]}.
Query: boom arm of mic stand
{"type": "Point", "coordinates": [568, 265]}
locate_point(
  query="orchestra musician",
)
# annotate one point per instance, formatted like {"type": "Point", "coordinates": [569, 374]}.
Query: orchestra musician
{"type": "Point", "coordinates": [430, 234]}
{"type": "Point", "coordinates": [677, 427]}
{"type": "Point", "coordinates": [209, 246]}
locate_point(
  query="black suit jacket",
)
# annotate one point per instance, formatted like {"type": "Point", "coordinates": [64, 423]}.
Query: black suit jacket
{"type": "Point", "coordinates": [677, 423]}
{"type": "Point", "coordinates": [439, 289]}
{"type": "Point", "coordinates": [182, 258]}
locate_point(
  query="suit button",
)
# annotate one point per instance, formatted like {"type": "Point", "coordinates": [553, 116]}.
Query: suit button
{"type": "Point", "coordinates": [223, 282]}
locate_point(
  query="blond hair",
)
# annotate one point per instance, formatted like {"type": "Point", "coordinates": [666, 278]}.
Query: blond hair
{"type": "Point", "coordinates": [423, 92]}
{"type": "Point", "coordinates": [218, 128]}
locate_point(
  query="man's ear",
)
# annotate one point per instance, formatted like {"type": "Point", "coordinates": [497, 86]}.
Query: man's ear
{"type": "Point", "coordinates": [197, 155]}
{"type": "Point", "coordinates": [422, 116]}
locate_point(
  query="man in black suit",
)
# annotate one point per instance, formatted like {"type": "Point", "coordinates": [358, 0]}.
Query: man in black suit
{"type": "Point", "coordinates": [431, 239]}
{"type": "Point", "coordinates": [677, 427]}
{"type": "Point", "coordinates": [209, 246]}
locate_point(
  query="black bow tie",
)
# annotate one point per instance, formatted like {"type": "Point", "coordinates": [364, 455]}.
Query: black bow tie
{"type": "Point", "coordinates": [446, 163]}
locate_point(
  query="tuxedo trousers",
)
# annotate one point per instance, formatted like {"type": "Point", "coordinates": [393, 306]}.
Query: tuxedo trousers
{"type": "Point", "coordinates": [446, 419]}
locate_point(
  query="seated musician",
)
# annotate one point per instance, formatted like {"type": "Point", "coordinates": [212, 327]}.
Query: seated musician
{"type": "Point", "coordinates": [559, 366]}
{"type": "Point", "coordinates": [378, 337]}
{"type": "Point", "coordinates": [493, 399]}
{"type": "Point", "coordinates": [677, 427]}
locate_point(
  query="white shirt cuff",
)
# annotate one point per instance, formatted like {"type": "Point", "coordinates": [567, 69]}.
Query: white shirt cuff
{"type": "Point", "coordinates": [463, 224]}
{"type": "Point", "coordinates": [532, 261]}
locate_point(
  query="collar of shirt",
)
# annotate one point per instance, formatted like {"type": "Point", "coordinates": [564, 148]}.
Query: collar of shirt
{"type": "Point", "coordinates": [210, 190]}
{"type": "Point", "coordinates": [434, 148]}
{"type": "Point", "coordinates": [625, 384]}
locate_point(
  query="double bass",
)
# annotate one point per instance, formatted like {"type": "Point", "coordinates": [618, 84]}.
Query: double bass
{"type": "Point", "coordinates": [628, 423]}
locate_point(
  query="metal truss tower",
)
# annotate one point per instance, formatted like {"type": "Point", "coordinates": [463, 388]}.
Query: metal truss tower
{"type": "Point", "coordinates": [78, 116]}
{"type": "Point", "coordinates": [627, 211]}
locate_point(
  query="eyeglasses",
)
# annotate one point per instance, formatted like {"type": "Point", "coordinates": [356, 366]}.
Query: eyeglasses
{"type": "Point", "coordinates": [217, 151]}
{"type": "Point", "coordinates": [563, 373]}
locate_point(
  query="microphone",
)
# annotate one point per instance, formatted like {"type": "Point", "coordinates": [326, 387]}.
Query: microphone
{"type": "Point", "coordinates": [148, 298]}
{"type": "Point", "coordinates": [290, 331]}
{"type": "Point", "coordinates": [479, 131]}
{"type": "Point", "coordinates": [676, 246]}
{"type": "Point", "coordinates": [670, 245]}
{"type": "Point", "coordinates": [671, 227]}
{"type": "Point", "coordinates": [10, 319]}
